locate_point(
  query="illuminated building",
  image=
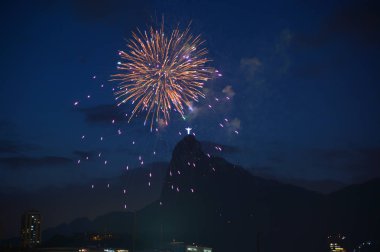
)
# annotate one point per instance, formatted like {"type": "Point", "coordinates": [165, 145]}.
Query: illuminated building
{"type": "Point", "coordinates": [336, 243]}
{"type": "Point", "coordinates": [197, 249]}
{"type": "Point", "coordinates": [31, 229]}
{"type": "Point", "coordinates": [335, 247]}
{"type": "Point", "coordinates": [73, 249]}
{"type": "Point", "coordinates": [100, 237]}
{"type": "Point", "coordinates": [181, 247]}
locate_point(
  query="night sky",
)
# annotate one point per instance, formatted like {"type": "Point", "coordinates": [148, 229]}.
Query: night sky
{"type": "Point", "coordinates": [303, 78]}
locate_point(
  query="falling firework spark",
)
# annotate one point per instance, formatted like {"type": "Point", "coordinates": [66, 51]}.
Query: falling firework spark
{"type": "Point", "coordinates": [161, 73]}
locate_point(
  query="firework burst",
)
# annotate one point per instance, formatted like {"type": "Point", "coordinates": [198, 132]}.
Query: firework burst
{"type": "Point", "coordinates": [160, 73]}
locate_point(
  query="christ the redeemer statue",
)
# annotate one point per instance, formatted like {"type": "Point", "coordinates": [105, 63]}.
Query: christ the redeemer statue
{"type": "Point", "coordinates": [188, 130]}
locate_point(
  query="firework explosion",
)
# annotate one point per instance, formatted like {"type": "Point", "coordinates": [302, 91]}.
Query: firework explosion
{"type": "Point", "coordinates": [161, 73]}
{"type": "Point", "coordinates": [158, 74]}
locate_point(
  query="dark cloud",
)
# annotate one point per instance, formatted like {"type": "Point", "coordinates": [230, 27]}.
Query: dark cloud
{"type": "Point", "coordinates": [7, 129]}
{"type": "Point", "coordinates": [276, 160]}
{"type": "Point", "coordinates": [7, 146]}
{"type": "Point", "coordinates": [369, 156]}
{"type": "Point", "coordinates": [337, 164]}
{"type": "Point", "coordinates": [263, 171]}
{"type": "Point", "coordinates": [128, 151]}
{"type": "Point", "coordinates": [250, 67]}
{"type": "Point", "coordinates": [103, 114]}
{"type": "Point", "coordinates": [95, 9]}
{"type": "Point", "coordinates": [318, 185]}
{"type": "Point", "coordinates": [4, 125]}
{"type": "Point", "coordinates": [106, 113]}
{"type": "Point", "coordinates": [368, 160]}
{"type": "Point", "coordinates": [361, 163]}
{"type": "Point", "coordinates": [100, 10]}
{"type": "Point", "coordinates": [28, 162]}
{"type": "Point", "coordinates": [310, 70]}
{"type": "Point", "coordinates": [211, 148]}
{"type": "Point", "coordinates": [372, 154]}
{"type": "Point", "coordinates": [359, 21]}
{"type": "Point", "coordinates": [229, 91]}
{"type": "Point", "coordinates": [332, 154]}
{"type": "Point", "coordinates": [84, 154]}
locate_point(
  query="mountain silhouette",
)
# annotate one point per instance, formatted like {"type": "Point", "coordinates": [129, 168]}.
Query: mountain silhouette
{"type": "Point", "coordinates": [209, 201]}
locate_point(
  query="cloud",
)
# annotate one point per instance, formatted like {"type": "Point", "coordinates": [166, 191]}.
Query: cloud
{"type": "Point", "coordinates": [286, 37]}
{"type": "Point", "coordinates": [281, 52]}
{"type": "Point", "coordinates": [100, 10]}
{"type": "Point", "coordinates": [8, 130]}
{"type": "Point", "coordinates": [6, 125]}
{"type": "Point", "coordinates": [369, 158]}
{"type": "Point", "coordinates": [264, 171]}
{"type": "Point", "coordinates": [103, 114]}
{"type": "Point", "coordinates": [229, 91]}
{"type": "Point", "coordinates": [338, 164]}
{"type": "Point", "coordinates": [28, 162]}
{"type": "Point", "coordinates": [7, 146]}
{"type": "Point", "coordinates": [130, 152]}
{"type": "Point", "coordinates": [84, 154]}
{"type": "Point", "coordinates": [271, 65]}
{"type": "Point", "coordinates": [359, 22]}
{"type": "Point", "coordinates": [312, 70]}
{"type": "Point", "coordinates": [195, 111]}
{"type": "Point", "coordinates": [106, 114]}
{"type": "Point", "coordinates": [276, 160]}
{"type": "Point", "coordinates": [332, 154]}
{"type": "Point", "coordinates": [250, 67]}
{"type": "Point", "coordinates": [94, 9]}
{"type": "Point", "coordinates": [211, 148]}
{"type": "Point", "coordinates": [361, 164]}
{"type": "Point", "coordinates": [234, 124]}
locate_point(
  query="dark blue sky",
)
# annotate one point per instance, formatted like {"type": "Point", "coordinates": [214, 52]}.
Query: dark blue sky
{"type": "Point", "coordinates": [302, 76]}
